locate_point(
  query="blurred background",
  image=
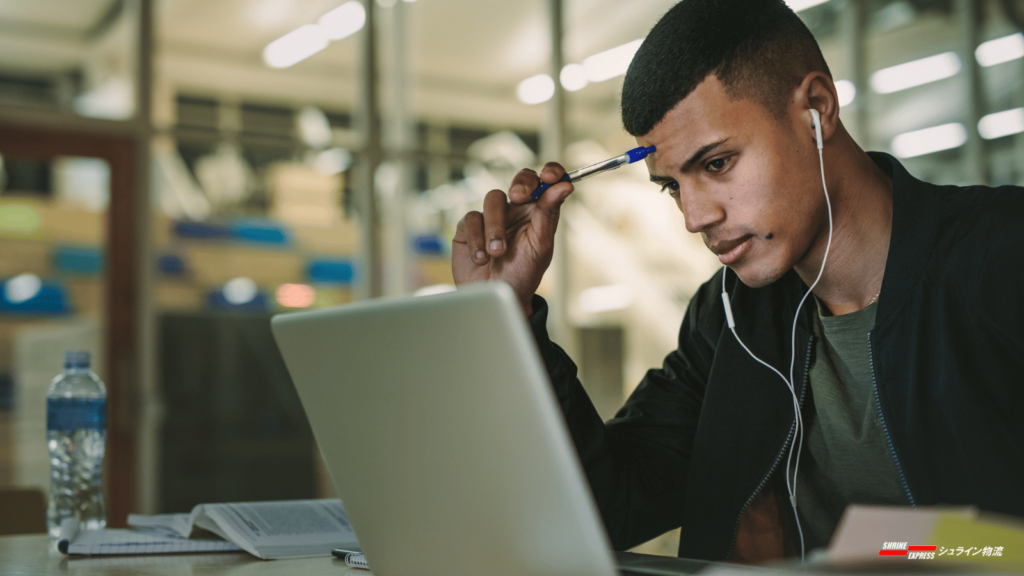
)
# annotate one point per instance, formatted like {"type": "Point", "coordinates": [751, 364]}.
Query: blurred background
{"type": "Point", "coordinates": [174, 172]}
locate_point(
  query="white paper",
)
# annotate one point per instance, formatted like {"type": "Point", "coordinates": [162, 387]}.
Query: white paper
{"type": "Point", "coordinates": [120, 541]}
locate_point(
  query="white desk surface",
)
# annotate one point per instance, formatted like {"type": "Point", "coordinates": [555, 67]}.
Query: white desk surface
{"type": "Point", "coordinates": [37, 555]}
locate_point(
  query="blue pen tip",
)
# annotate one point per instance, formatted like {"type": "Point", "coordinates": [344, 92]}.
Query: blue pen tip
{"type": "Point", "coordinates": [637, 154]}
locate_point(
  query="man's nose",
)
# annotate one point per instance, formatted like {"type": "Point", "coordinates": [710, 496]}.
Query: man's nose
{"type": "Point", "coordinates": [699, 211]}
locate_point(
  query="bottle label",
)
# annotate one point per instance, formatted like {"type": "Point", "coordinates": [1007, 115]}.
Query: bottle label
{"type": "Point", "coordinates": [66, 414]}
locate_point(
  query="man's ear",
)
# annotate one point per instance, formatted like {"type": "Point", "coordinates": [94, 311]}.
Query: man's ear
{"type": "Point", "coordinates": [819, 92]}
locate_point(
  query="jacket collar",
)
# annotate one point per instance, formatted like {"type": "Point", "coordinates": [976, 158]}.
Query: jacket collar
{"type": "Point", "coordinates": [916, 215]}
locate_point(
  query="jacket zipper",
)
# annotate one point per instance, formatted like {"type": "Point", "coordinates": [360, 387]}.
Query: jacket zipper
{"type": "Point", "coordinates": [778, 458]}
{"type": "Point", "coordinates": [885, 427]}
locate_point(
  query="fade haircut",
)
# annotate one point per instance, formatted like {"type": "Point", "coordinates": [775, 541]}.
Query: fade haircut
{"type": "Point", "coordinates": [758, 49]}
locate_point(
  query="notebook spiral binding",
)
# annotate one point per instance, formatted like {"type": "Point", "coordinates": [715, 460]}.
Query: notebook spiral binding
{"type": "Point", "coordinates": [357, 561]}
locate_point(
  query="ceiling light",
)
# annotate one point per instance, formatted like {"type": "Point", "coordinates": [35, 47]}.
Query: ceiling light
{"type": "Point", "coordinates": [929, 140]}
{"type": "Point", "coordinates": [610, 63]}
{"type": "Point", "coordinates": [798, 5]}
{"type": "Point", "coordinates": [1002, 124]}
{"type": "Point", "coordinates": [295, 46]}
{"type": "Point", "coordinates": [240, 291]}
{"type": "Point", "coordinates": [846, 91]}
{"type": "Point", "coordinates": [22, 288]}
{"type": "Point", "coordinates": [1000, 50]}
{"type": "Point", "coordinates": [314, 128]}
{"type": "Point", "coordinates": [916, 73]}
{"type": "Point", "coordinates": [345, 20]}
{"type": "Point", "coordinates": [332, 161]}
{"type": "Point", "coordinates": [573, 77]}
{"type": "Point", "coordinates": [536, 89]}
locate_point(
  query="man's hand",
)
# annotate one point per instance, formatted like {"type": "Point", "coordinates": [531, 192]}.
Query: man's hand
{"type": "Point", "coordinates": [512, 242]}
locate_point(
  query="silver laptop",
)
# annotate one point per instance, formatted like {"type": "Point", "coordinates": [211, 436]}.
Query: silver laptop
{"type": "Point", "coordinates": [443, 437]}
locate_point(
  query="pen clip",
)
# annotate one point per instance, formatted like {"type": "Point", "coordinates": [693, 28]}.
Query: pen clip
{"type": "Point", "coordinates": [539, 191]}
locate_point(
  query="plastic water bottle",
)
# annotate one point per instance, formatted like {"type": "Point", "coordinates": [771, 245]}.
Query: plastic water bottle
{"type": "Point", "coordinates": [76, 432]}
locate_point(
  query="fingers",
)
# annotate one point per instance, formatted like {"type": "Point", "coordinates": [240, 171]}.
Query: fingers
{"type": "Point", "coordinates": [523, 184]}
{"type": "Point", "coordinates": [551, 172]}
{"type": "Point", "coordinates": [495, 215]}
{"type": "Point", "coordinates": [473, 224]}
{"type": "Point", "coordinates": [526, 181]}
{"type": "Point", "coordinates": [554, 196]}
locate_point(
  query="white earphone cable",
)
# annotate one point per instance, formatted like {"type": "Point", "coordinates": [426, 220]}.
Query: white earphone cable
{"type": "Point", "coordinates": [798, 435]}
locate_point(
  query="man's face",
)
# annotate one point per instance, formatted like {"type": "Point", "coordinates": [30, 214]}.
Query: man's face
{"type": "Point", "coordinates": [747, 181]}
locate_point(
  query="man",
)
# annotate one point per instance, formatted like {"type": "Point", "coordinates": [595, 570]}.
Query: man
{"type": "Point", "coordinates": [907, 361]}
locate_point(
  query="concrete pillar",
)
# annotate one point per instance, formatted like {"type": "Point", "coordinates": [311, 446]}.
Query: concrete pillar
{"type": "Point", "coordinates": [975, 170]}
{"type": "Point", "coordinates": [553, 141]}
{"type": "Point", "coordinates": [367, 119]}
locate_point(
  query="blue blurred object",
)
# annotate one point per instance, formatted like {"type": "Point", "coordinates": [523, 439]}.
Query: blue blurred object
{"type": "Point", "coordinates": [216, 301]}
{"type": "Point", "coordinates": [51, 299]}
{"type": "Point", "coordinates": [429, 245]}
{"type": "Point", "coordinates": [331, 271]}
{"type": "Point", "coordinates": [201, 231]}
{"type": "Point", "coordinates": [260, 232]}
{"type": "Point", "coordinates": [171, 265]}
{"type": "Point", "coordinates": [78, 260]}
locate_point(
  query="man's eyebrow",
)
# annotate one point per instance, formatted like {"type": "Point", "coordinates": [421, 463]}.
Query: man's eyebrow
{"type": "Point", "coordinates": [700, 154]}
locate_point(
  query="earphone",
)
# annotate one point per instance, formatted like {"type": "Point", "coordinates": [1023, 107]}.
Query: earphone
{"type": "Point", "coordinates": [731, 321]}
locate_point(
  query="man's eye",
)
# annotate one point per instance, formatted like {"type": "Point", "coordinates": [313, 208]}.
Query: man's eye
{"type": "Point", "coordinates": [671, 187]}
{"type": "Point", "coordinates": [717, 165]}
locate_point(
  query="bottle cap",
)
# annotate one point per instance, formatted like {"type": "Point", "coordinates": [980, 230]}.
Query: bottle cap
{"type": "Point", "coordinates": [76, 359]}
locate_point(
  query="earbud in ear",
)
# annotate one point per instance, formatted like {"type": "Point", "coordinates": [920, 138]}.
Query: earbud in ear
{"type": "Point", "coordinates": [816, 117]}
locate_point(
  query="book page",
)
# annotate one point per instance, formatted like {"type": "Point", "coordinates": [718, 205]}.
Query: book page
{"type": "Point", "coordinates": [180, 524]}
{"type": "Point", "coordinates": [281, 529]}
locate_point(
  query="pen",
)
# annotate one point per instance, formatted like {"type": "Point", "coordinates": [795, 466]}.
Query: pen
{"type": "Point", "coordinates": [633, 155]}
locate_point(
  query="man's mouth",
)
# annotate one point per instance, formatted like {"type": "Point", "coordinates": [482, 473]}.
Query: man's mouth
{"type": "Point", "coordinates": [730, 251]}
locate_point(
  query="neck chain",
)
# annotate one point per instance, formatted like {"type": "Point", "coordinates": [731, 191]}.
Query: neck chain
{"type": "Point", "coordinates": [875, 298]}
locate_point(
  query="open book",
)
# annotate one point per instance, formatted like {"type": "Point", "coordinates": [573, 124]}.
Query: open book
{"type": "Point", "coordinates": [267, 530]}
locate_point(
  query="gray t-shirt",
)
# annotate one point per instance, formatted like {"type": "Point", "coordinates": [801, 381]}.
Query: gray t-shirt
{"type": "Point", "coordinates": [845, 458]}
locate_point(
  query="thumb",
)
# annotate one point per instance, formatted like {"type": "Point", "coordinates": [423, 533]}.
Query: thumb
{"type": "Point", "coordinates": [545, 216]}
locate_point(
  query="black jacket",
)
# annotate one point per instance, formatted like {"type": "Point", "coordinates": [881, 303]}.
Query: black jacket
{"type": "Point", "coordinates": [702, 436]}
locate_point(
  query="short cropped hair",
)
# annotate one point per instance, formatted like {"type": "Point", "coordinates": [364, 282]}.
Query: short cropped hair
{"type": "Point", "coordinates": [757, 48]}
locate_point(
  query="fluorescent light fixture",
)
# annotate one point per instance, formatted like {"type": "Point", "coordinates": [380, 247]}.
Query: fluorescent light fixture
{"type": "Point", "coordinates": [1002, 124]}
{"type": "Point", "coordinates": [846, 91]}
{"type": "Point", "coordinates": [314, 128]}
{"type": "Point", "coordinates": [798, 5]}
{"type": "Point", "coordinates": [605, 298]}
{"type": "Point", "coordinates": [920, 142]}
{"type": "Point", "coordinates": [295, 46]}
{"type": "Point", "coordinates": [240, 291]}
{"type": "Point", "coordinates": [343, 21]}
{"type": "Point", "coordinates": [1000, 50]}
{"type": "Point", "coordinates": [536, 89]}
{"type": "Point", "coordinates": [610, 63]}
{"type": "Point", "coordinates": [573, 77]}
{"type": "Point", "coordinates": [22, 288]}
{"type": "Point", "coordinates": [332, 161]}
{"type": "Point", "coordinates": [916, 73]}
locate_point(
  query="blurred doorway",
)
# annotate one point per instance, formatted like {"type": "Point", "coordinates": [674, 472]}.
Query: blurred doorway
{"type": "Point", "coordinates": [68, 278]}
